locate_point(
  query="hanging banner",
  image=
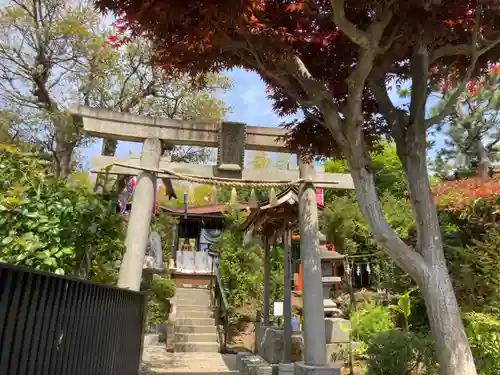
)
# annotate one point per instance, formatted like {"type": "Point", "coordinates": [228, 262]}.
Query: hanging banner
{"type": "Point", "coordinates": [127, 196]}
{"type": "Point", "coordinates": [320, 196]}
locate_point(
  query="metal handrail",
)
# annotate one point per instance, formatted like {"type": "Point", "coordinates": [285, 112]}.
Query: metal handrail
{"type": "Point", "coordinates": [221, 288]}
{"type": "Point", "coordinates": [225, 304]}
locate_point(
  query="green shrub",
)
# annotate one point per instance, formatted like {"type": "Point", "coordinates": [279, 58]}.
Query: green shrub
{"type": "Point", "coordinates": [475, 268]}
{"type": "Point", "coordinates": [157, 312]}
{"type": "Point", "coordinates": [397, 352]}
{"type": "Point", "coordinates": [55, 226]}
{"type": "Point", "coordinates": [160, 290]}
{"type": "Point", "coordinates": [483, 331]}
{"type": "Point", "coordinates": [163, 289]}
{"type": "Point", "coordinates": [369, 321]}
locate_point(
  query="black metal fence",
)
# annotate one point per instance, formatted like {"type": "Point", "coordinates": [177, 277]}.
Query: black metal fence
{"type": "Point", "coordinates": [55, 325]}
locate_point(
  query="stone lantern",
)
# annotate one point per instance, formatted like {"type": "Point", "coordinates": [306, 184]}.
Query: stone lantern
{"type": "Point", "coordinates": [330, 261]}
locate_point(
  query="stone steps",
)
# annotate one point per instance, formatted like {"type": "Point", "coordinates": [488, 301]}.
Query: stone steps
{"type": "Point", "coordinates": [195, 329]}
{"type": "Point", "coordinates": [192, 293]}
{"type": "Point", "coordinates": [195, 321]}
{"type": "Point", "coordinates": [199, 347]}
{"type": "Point", "coordinates": [198, 303]}
{"type": "Point", "coordinates": [194, 314]}
{"type": "Point", "coordinates": [180, 308]}
{"type": "Point", "coordinates": [195, 337]}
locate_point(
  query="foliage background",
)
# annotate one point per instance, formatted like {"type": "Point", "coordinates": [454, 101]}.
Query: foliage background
{"type": "Point", "coordinates": [54, 226]}
{"type": "Point", "coordinates": [242, 270]}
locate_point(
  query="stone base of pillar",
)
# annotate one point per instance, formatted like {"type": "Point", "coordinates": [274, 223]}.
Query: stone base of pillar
{"type": "Point", "coordinates": [170, 337]}
{"type": "Point", "coordinates": [286, 369]}
{"type": "Point", "coordinates": [301, 368]}
{"type": "Point", "coordinates": [248, 364]}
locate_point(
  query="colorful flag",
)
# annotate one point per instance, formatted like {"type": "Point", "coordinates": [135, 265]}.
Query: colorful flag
{"type": "Point", "coordinates": [320, 197]}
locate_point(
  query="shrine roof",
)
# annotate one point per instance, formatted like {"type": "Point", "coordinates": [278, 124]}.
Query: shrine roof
{"type": "Point", "coordinates": [326, 254]}
{"type": "Point", "coordinates": [270, 217]}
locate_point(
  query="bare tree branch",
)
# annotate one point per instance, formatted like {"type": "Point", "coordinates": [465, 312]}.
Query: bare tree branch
{"type": "Point", "coordinates": [392, 114]}
{"type": "Point", "coordinates": [339, 18]}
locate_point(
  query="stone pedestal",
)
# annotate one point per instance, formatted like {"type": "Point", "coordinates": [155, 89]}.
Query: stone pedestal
{"type": "Point", "coordinates": [337, 330]}
{"type": "Point", "coordinates": [270, 344]}
{"type": "Point", "coordinates": [170, 337]}
{"type": "Point", "coordinates": [328, 304]}
{"type": "Point", "coordinates": [151, 339]}
{"type": "Point", "coordinates": [252, 365]}
{"type": "Point", "coordinates": [339, 352]}
{"type": "Point", "coordinates": [301, 368]}
{"type": "Point", "coordinates": [286, 369]}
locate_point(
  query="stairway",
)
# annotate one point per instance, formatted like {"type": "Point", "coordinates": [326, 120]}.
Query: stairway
{"type": "Point", "coordinates": [195, 329]}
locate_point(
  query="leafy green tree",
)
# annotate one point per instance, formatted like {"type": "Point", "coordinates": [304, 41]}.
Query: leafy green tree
{"type": "Point", "coordinates": [242, 268]}
{"type": "Point", "coordinates": [132, 83]}
{"type": "Point", "coordinates": [389, 173]}
{"type": "Point", "coordinates": [45, 47]}
{"type": "Point", "coordinates": [57, 53]}
{"type": "Point", "coordinates": [472, 131]}
{"type": "Point", "coordinates": [8, 120]}
{"type": "Point", "coordinates": [50, 225]}
{"type": "Point", "coordinates": [344, 225]}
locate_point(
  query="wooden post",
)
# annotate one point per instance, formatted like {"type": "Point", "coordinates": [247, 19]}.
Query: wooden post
{"type": "Point", "coordinates": [287, 300]}
{"type": "Point", "coordinates": [140, 218]}
{"type": "Point", "coordinates": [267, 277]}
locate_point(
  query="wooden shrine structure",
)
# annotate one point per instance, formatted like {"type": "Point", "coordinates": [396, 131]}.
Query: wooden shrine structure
{"type": "Point", "coordinates": [274, 220]}
{"type": "Point", "coordinates": [198, 228]}
{"type": "Point", "coordinates": [231, 140]}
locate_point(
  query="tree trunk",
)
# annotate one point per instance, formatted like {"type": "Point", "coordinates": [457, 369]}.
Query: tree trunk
{"type": "Point", "coordinates": [484, 161]}
{"type": "Point", "coordinates": [63, 157]}
{"type": "Point", "coordinates": [66, 137]}
{"type": "Point", "coordinates": [108, 149]}
{"type": "Point", "coordinates": [426, 264]}
{"type": "Point", "coordinates": [454, 354]}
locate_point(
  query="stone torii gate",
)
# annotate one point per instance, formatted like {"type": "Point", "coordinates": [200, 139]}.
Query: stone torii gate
{"type": "Point", "coordinates": [231, 139]}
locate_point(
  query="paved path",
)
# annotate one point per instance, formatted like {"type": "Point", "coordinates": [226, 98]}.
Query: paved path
{"type": "Point", "coordinates": [157, 361]}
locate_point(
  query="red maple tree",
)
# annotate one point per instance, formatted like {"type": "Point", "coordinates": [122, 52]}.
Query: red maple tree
{"type": "Point", "coordinates": [334, 61]}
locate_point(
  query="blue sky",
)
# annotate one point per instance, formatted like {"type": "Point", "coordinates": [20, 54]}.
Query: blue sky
{"type": "Point", "coordinates": [249, 104]}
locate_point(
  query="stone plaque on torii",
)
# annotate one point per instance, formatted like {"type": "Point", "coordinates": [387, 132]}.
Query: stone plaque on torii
{"type": "Point", "coordinates": [231, 140]}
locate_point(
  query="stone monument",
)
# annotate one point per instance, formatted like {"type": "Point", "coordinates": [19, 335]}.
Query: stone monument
{"type": "Point", "coordinates": [153, 260]}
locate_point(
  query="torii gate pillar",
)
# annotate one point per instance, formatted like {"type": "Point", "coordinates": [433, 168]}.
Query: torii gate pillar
{"type": "Point", "coordinates": [312, 288]}
{"type": "Point", "coordinates": [140, 218]}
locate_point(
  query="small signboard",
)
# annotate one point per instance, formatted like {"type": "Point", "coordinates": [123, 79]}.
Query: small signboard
{"type": "Point", "coordinates": [331, 279]}
{"type": "Point", "coordinates": [278, 308]}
